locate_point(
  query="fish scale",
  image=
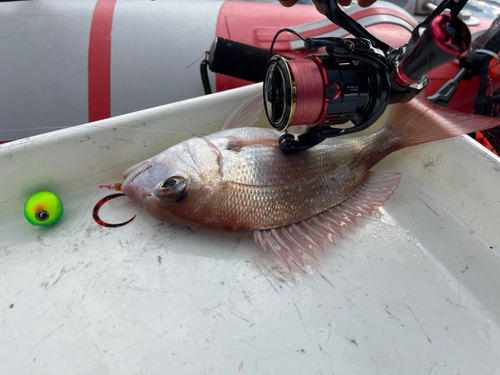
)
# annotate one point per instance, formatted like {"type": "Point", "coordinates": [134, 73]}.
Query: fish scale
{"type": "Point", "coordinates": [261, 188]}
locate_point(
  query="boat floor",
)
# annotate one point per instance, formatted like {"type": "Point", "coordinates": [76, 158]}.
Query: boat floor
{"type": "Point", "coordinates": [414, 289]}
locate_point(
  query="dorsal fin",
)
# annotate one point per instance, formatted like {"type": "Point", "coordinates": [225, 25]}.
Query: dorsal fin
{"type": "Point", "coordinates": [246, 114]}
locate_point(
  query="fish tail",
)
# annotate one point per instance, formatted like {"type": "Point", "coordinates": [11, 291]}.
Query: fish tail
{"type": "Point", "coordinates": [420, 121]}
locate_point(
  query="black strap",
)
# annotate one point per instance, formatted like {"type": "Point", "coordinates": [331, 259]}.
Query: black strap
{"type": "Point", "coordinates": [204, 77]}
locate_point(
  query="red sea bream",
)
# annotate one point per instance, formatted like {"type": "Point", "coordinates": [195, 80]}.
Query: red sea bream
{"type": "Point", "coordinates": [239, 180]}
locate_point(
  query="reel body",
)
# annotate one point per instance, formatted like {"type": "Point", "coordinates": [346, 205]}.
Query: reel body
{"type": "Point", "coordinates": [356, 79]}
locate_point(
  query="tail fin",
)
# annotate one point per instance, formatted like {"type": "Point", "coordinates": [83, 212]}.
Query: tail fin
{"type": "Point", "coordinates": [420, 121]}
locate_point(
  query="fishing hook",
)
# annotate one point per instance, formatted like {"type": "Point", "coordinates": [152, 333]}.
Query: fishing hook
{"type": "Point", "coordinates": [95, 212]}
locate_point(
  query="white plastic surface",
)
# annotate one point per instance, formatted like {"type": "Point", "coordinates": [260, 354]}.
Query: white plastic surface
{"type": "Point", "coordinates": [414, 290]}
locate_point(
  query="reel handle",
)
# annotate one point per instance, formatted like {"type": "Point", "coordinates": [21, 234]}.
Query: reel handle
{"type": "Point", "coordinates": [337, 16]}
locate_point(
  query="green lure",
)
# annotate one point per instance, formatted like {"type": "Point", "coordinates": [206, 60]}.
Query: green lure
{"type": "Point", "coordinates": [43, 208]}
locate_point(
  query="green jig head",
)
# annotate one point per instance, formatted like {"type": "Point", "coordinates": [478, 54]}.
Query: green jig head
{"type": "Point", "coordinates": [43, 208]}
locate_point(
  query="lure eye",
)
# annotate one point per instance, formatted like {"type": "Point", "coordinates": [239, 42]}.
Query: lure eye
{"type": "Point", "coordinates": [42, 215]}
{"type": "Point", "coordinates": [172, 190]}
{"type": "Point", "coordinates": [43, 208]}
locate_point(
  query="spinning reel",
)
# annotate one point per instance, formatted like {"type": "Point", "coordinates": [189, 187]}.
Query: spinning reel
{"type": "Point", "coordinates": [357, 78]}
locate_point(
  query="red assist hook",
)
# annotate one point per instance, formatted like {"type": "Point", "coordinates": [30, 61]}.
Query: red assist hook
{"type": "Point", "coordinates": [95, 212]}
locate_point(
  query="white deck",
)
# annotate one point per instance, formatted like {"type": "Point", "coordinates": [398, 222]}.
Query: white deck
{"type": "Point", "coordinates": [415, 290]}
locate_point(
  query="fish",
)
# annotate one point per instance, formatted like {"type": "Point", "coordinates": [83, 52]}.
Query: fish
{"type": "Point", "coordinates": [239, 180]}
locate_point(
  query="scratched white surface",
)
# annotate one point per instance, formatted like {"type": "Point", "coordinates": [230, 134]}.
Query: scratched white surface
{"type": "Point", "coordinates": [414, 290]}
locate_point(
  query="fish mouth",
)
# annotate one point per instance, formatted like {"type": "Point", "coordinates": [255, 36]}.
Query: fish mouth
{"type": "Point", "coordinates": [141, 183]}
{"type": "Point", "coordinates": [130, 175]}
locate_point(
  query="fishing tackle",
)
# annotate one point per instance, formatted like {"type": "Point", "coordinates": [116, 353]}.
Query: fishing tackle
{"type": "Point", "coordinates": [116, 187]}
{"type": "Point", "coordinates": [95, 212]}
{"type": "Point", "coordinates": [357, 78]}
{"type": "Point", "coordinates": [43, 208]}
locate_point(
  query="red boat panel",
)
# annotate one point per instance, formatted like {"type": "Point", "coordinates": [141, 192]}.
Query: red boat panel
{"type": "Point", "coordinates": [249, 23]}
{"type": "Point", "coordinates": [99, 66]}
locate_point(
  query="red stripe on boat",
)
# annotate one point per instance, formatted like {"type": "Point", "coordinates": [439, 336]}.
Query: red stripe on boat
{"type": "Point", "coordinates": [100, 60]}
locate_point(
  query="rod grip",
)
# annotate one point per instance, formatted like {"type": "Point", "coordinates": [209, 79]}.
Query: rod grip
{"type": "Point", "coordinates": [238, 59]}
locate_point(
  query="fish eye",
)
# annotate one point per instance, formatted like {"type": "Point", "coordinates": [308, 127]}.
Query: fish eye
{"type": "Point", "coordinates": [170, 182]}
{"type": "Point", "coordinates": [172, 190]}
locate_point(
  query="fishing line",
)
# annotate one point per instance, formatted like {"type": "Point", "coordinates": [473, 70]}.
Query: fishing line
{"type": "Point", "coordinates": [106, 127]}
{"type": "Point", "coordinates": [18, 197]}
{"type": "Point", "coordinates": [60, 226]}
{"type": "Point", "coordinates": [45, 128]}
{"type": "Point", "coordinates": [309, 90]}
{"type": "Point", "coordinates": [152, 130]}
{"type": "Point", "coordinates": [95, 213]}
{"type": "Point", "coordinates": [70, 216]}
